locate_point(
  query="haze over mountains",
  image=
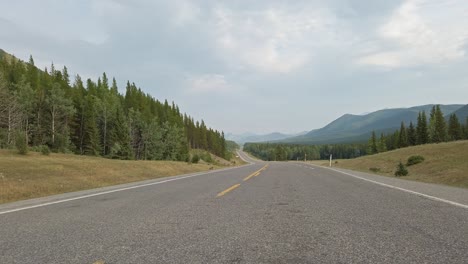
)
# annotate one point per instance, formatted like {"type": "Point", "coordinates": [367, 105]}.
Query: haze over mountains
{"type": "Point", "coordinates": [252, 137]}
{"type": "Point", "coordinates": [357, 128]}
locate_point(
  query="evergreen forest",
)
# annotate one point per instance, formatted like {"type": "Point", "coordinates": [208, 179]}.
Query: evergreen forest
{"type": "Point", "coordinates": [49, 109]}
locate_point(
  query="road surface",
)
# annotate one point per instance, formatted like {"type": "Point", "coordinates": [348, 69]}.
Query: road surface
{"type": "Point", "coordinates": [261, 213]}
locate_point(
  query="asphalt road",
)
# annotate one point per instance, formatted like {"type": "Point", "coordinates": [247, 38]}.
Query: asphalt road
{"type": "Point", "coordinates": [287, 213]}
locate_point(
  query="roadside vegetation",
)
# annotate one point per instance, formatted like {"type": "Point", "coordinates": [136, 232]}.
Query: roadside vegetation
{"type": "Point", "coordinates": [436, 129]}
{"type": "Point", "coordinates": [49, 108]}
{"type": "Point", "coordinates": [36, 175]}
{"type": "Point", "coordinates": [283, 152]}
{"type": "Point", "coordinates": [443, 163]}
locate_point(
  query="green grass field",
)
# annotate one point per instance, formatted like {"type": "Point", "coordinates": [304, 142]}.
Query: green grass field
{"type": "Point", "coordinates": [35, 175]}
{"type": "Point", "coordinates": [445, 163]}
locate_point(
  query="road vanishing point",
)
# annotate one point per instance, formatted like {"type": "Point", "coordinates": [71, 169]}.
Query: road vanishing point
{"type": "Point", "coordinates": [263, 212]}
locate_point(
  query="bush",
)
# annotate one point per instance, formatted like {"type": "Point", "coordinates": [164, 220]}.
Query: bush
{"type": "Point", "coordinates": [195, 158]}
{"type": "Point", "coordinates": [374, 169]}
{"type": "Point", "coordinates": [414, 160]}
{"type": "Point", "coordinates": [20, 143]}
{"type": "Point", "coordinates": [401, 170]}
{"type": "Point", "coordinates": [44, 150]}
{"type": "Point", "coordinates": [206, 156]}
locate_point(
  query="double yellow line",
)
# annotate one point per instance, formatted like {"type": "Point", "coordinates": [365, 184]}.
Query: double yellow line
{"type": "Point", "coordinates": [255, 174]}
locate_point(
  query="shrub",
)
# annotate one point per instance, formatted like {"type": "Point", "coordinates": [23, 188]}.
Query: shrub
{"type": "Point", "coordinates": [414, 160]}
{"type": "Point", "coordinates": [195, 158]}
{"type": "Point", "coordinates": [206, 157]}
{"type": "Point", "coordinates": [401, 170]}
{"type": "Point", "coordinates": [374, 169]}
{"type": "Point", "coordinates": [45, 150]}
{"type": "Point", "coordinates": [21, 144]}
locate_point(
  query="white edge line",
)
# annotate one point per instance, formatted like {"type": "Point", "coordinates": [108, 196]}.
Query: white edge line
{"type": "Point", "coordinates": [116, 190]}
{"type": "Point", "coordinates": [404, 190]}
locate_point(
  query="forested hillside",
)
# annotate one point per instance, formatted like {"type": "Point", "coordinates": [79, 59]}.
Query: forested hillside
{"type": "Point", "coordinates": [357, 128]}
{"type": "Point", "coordinates": [280, 152]}
{"type": "Point", "coordinates": [45, 109]}
{"type": "Point", "coordinates": [433, 129]}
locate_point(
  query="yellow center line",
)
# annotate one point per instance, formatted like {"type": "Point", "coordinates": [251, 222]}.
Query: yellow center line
{"type": "Point", "coordinates": [245, 179]}
{"type": "Point", "coordinates": [248, 177]}
{"type": "Point", "coordinates": [255, 173]}
{"type": "Point", "coordinates": [228, 190]}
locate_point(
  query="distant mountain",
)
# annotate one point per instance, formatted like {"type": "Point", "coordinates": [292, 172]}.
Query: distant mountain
{"type": "Point", "coordinates": [251, 137]}
{"type": "Point", "coordinates": [357, 128]}
{"type": "Point", "coordinates": [461, 113]}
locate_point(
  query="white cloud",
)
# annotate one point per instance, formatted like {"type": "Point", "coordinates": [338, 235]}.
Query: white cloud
{"type": "Point", "coordinates": [209, 83]}
{"type": "Point", "coordinates": [106, 8]}
{"type": "Point", "coordinates": [185, 13]}
{"type": "Point", "coordinates": [422, 32]}
{"type": "Point", "coordinates": [276, 40]}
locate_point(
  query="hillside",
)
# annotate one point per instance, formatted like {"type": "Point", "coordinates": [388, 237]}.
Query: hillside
{"type": "Point", "coordinates": [45, 109]}
{"type": "Point", "coordinates": [6, 56]}
{"type": "Point", "coordinates": [355, 128]}
{"type": "Point", "coordinates": [445, 163]}
{"type": "Point", "coordinates": [461, 113]}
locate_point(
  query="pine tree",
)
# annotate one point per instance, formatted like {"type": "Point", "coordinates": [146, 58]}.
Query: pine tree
{"type": "Point", "coordinates": [121, 148]}
{"type": "Point", "coordinates": [396, 139]}
{"type": "Point", "coordinates": [382, 146]}
{"type": "Point", "coordinates": [432, 125]}
{"type": "Point", "coordinates": [454, 128]}
{"type": "Point", "coordinates": [439, 133]}
{"type": "Point", "coordinates": [421, 129]}
{"type": "Point", "coordinates": [32, 73]}
{"type": "Point", "coordinates": [91, 133]}
{"type": "Point", "coordinates": [372, 145]}
{"type": "Point", "coordinates": [403, 136]}
{"type": "Point", "coordinates": [412, 135]}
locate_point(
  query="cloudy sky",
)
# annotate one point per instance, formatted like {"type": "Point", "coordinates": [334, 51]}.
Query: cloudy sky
{"type": "Point", "coordinates": [259, 66]}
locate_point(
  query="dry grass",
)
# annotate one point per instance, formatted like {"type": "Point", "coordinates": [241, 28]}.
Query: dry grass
{"type": "Point", "coordinates": [445, 163]}
{"type": "Point", "coordinates": [36, 175]}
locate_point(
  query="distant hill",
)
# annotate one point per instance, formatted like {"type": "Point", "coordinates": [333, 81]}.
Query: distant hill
{"type": "Point", "coordinates": [251, 137]}
{"type": "Point", "coordinates": [356, 128]}
{"type": "Point", "coordinates": [461, 113]}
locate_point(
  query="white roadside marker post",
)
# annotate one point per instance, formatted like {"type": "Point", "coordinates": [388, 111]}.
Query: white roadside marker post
{"type": "Point", "coordinates": [330, 159]}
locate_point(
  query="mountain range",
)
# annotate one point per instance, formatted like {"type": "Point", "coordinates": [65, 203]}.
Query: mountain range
{"type": "Point", "coordinates": [358, 128]}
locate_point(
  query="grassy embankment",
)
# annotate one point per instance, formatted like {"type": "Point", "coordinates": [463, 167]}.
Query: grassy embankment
{"type": "Point", "coordinates": [35, 175]}
{"type": "Point", "coordinates": [445, 163]}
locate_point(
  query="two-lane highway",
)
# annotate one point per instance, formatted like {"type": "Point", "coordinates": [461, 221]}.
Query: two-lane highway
{"type": "Point", "coordinates": [261, 213]}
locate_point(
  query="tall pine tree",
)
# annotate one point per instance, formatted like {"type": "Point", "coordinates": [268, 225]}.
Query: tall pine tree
{"type": "Point", "coordinates": [454, 128]}
{"type": "Point", "coordinates": [403, 136]}
{"type": "Point", "coordinates": [412, 135]}
{"type": "Point", "coordinates": [421, 129]}
{"type": "Point", "coordinates": [372, 145]}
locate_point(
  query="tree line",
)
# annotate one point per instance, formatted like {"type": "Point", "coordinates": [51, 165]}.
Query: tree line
{"type": "Point", "coordinates": [434, 129]}
{"type": "Point", "coordinates": [42, 108]}
{"type": "Point", "coordinates": [281, 152]}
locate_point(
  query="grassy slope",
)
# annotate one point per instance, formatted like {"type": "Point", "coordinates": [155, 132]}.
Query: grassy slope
{"type": "Point", "coordinates": [445, 163]}
{"type": "Point", "coordinates": [35, 175]}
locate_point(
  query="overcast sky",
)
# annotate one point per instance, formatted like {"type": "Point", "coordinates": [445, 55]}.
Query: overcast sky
{"type": "Point", "coordinates": [259, 66]}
